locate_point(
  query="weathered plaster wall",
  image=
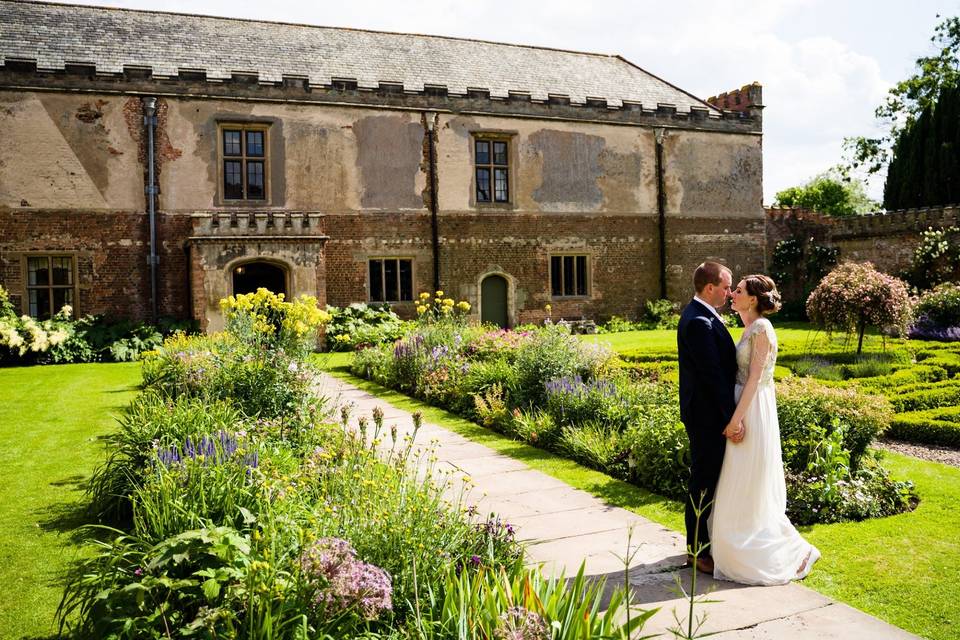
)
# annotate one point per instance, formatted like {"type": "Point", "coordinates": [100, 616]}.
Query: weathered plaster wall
{"type": "Point", "coordinates": [713, 175]}
{"type": "Point", "coordinates": [67, 150]}
{"type": "Point", "coordinates": [335, 159]}
{"type": "Point", "coordinates": [555, 166]}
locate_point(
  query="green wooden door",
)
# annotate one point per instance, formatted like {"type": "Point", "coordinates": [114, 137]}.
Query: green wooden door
{"type": "Point", "coordinates": [493, 301]}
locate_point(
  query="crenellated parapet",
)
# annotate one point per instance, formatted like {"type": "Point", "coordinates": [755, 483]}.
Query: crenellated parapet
{"type": "Point", "coordinates": [747, 100]}
{"type": "Point", "coordinates": [274, 225]}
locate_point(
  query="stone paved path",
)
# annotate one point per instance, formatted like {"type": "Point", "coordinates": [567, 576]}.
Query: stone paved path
{"type": "Point", "coordinates": [563, 527]}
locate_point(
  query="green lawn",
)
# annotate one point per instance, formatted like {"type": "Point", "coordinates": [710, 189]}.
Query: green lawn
{"type": "Point", "coordinates": [792, 335]}
{"type": "Point", "coordinates": [903, 569]}
{"type": "Point", "coordinates": [51, 419]}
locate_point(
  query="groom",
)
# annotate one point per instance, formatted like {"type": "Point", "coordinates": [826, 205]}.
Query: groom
{"type": "Point", "coordinates": [708, 372]}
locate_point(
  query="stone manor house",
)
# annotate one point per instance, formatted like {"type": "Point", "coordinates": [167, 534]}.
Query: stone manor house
{"type": "Point", "coordinates": [153, 163]}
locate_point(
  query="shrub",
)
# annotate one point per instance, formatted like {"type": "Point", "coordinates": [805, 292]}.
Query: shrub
{"type": "Point", "coordinates": [869, 493]}
{"type": "Point", "coordinates": [854, 296]}
{"type": "Point", "coordinates": [553, 353]}
{"type": "Point", "coordinates": [660, 314]}
{"type": "Point", "coordinates": [920, 373]}
{"type": "Point", "coordinates": [804, 404]}
{"type": "Point", "coordinates": [940, 307]}
{"type": "Point", "coordinates": [921, 397]}
{"type": "Point", "coordinates": [361, 324]}
{"type": "Point", "coordinates": [262, 381]}
{"type": "Point", "coordinates": [659, 453]}
{"type": "Point", "coordinates": [939, 426]}
{"type": "Point", "coordinates": [936, 258]}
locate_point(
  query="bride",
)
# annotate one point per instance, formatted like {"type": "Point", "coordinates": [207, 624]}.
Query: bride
{"type": "Point", "coordinates": [752, 540]}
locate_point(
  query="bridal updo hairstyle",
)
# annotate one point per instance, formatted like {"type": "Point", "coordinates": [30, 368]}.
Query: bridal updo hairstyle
{"type": "Point", "coordinates": [765, 290]}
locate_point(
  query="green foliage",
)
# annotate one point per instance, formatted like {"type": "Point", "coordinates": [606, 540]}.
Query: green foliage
{"type": "Point", "coordinates": [360, 324]}
{"type": "Point", "coordinates": [62, 339]}
{"type": "Point", "coordinates": [833, 192]}
{"type": "Point", "coordinates": [803, 405]}
{"type": "Point", "coordinates": [936, 259]}
{"type": "Point", "coordinates": [906, 100]}
{"type": "Point", "coordinates": [553, 355]}
{"type": "Point", "coordinates": [924, 168]}
{"type": "Point", "coordinates": [526, 605]}
{"type": "Point", "coordinates": [941, 306]}
{"type": "Point", "coordinates": [798, 264]}
{"type": "Point", "coordinates": [262, 382]}
{"type": "Point", "coordinates": [149, 422]}
{"type": "Point", "coordinates": [934, 396]}
{"type": "Point", "coordinates": [854, 296]}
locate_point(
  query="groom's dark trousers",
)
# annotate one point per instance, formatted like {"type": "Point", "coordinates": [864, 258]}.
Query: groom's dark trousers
{"type": "Point", "coordinates": [708, 373]}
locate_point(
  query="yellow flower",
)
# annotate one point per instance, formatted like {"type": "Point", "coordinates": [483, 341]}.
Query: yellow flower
{"type": "Point", "coordinates": [463, 306]}
{"type": "Point", "coordinates": [448, 302]}
{"type": "Point", "coordinates": [421, 309]}
{"type": "Point", "coordinates": [424, 296]}
{"type": "Point", "coordinates": [439, 294]}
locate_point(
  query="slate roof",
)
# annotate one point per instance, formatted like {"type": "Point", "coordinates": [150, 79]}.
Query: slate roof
{"type": "Point", "coordinates": [55, 34]}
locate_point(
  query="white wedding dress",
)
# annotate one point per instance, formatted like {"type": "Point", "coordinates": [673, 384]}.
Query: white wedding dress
{"type": "Point", "coordinates": [751, 538]}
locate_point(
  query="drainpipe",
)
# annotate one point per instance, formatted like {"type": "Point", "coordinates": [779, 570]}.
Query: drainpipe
{"type": "Point", "coordinates": [150, 122]}
{"type": "Point", "coordinates": [661, 213]}
{"type": "Point", "coordinates": [434, 222]}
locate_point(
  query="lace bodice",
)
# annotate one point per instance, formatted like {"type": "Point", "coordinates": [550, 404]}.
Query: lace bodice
{"type": "Point", "coordinates": [745, 351]}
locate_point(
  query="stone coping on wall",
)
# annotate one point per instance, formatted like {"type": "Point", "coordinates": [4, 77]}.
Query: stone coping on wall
{"type": "Point", "coordinates": [871, 224]}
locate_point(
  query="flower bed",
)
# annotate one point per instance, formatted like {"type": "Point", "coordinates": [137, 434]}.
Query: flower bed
{"type": "Point", "coordinates": [237, 514]}
{"type": "Point", "coordinates": [548, 388]}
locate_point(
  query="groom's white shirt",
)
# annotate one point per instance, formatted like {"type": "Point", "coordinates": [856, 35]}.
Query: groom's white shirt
{"type": "Point", "coordinates": [709, 306]}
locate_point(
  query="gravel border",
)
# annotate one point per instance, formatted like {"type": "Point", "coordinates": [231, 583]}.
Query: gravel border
{"type": "Point", "coordinates": [931, 452]}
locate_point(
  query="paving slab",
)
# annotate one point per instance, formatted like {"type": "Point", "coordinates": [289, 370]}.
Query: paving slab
{"type": "Point", "coordinates": [563, 527]}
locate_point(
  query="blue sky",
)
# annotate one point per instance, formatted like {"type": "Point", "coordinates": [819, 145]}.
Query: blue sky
{"type": "Point", "coordinates": [825, 64]}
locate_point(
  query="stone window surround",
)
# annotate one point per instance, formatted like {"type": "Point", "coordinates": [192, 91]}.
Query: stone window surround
{"type": "Point", "coordinates": [248, 125]}
{"type": "Point", "coordinates": [589, 274]}
{"type": "Point", "coordinates": [413, 278]}
{"type": "Point", "coordinates": [25, 275]}
{"type": "Point", "coordinates": [494, 135]}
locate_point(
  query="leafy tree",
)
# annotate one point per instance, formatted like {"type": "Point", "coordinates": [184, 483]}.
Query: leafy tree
{"type": "Point", "coordinates": [854, 296]}
{"type": "Point", "coordinates": [833, 192]}
{"type": "Point", "coordinates": [907, 99]}
{"type": "Point", "coordinates": [925, 167]}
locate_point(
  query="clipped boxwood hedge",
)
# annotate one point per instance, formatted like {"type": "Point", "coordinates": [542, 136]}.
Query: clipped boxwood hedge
{"type": "Point", "coordinates": [919, 373]}
{"type": "Point", "coordinates": [932, 396]}
{"type": "Point", "coordinates": [933, 426]}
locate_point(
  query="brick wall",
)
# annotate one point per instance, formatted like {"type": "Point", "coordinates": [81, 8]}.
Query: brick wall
{"type": "Point", "coordinates": [885, 239]}
{"type": "Point", "coordinates": [111, 251]}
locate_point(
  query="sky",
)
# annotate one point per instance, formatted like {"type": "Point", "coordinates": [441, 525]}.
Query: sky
{"type": "Point", "coordinates": [825, 65]}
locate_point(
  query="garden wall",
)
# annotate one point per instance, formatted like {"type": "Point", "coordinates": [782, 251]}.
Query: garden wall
{"type": "Point", "coordinates": [885, 239]}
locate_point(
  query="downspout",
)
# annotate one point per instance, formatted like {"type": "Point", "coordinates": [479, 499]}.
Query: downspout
{"type": "Point", "coordinates": [430, 120]}
{"type": "Point", "coordinates": [150, 122]}
{"type": "Point", "coordinates": [659, 135]}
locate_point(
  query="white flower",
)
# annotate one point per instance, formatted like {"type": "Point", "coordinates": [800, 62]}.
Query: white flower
{"type": "Point", "coordinates": [292, 367]}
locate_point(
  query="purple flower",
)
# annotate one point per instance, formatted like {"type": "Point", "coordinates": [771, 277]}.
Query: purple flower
{"type": "Point", "coordinates": [341, 582]}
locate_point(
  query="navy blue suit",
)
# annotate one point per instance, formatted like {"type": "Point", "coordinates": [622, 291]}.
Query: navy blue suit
{"type": "Point", "coordinates": [708, 373]}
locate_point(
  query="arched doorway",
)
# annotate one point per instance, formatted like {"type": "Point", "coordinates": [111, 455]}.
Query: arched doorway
{"type": "Point", "coordinates": [250, 276]}
{"type": "Point", "coordinates": [493, 301]}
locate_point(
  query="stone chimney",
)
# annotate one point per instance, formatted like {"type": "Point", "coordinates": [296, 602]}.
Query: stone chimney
{"type": "Point", "coordinates": [747, 99]}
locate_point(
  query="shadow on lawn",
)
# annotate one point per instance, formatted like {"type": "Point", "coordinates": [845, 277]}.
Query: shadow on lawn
{"type": "Point", "coordinates": [69, 517]}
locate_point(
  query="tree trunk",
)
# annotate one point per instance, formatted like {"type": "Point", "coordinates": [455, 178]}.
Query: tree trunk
{"type": "Point", "coordinates": [862, 326]}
